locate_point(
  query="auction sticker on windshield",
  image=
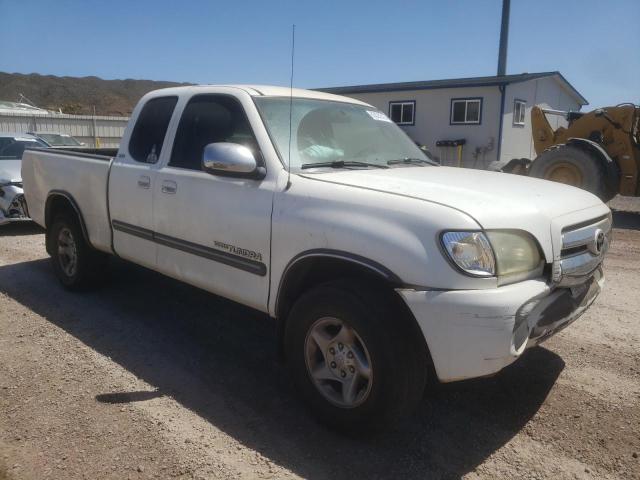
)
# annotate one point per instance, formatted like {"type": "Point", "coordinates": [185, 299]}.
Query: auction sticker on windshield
{"type": "Point", "coordinates": [381, 117]}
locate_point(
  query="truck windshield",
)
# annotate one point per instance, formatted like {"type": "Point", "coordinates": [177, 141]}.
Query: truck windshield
{"type": "Point", "coordinates": [327, 133]}
{"type": "Point", "coordinates": [57, 139]}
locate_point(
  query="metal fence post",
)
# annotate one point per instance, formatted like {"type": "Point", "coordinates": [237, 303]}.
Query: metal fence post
{"type": "Point", "coordinates": [95, 135]}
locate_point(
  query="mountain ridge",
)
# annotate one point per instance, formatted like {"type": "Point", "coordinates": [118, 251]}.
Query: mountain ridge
{"type": "Point", "coordinates": [78, 95]}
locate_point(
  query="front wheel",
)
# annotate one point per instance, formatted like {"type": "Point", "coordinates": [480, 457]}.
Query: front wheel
{"type": "Point", "coordinates": [77, 265]}
{"type": "Point", "coordinates": [354, 358]}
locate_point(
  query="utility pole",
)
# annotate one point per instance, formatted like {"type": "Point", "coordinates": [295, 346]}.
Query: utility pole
{"type": "Point", "coordinates": [504, 38]}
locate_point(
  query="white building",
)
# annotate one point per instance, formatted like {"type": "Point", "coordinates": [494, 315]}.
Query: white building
{"type": "Point", "coordinates": [491, 114]}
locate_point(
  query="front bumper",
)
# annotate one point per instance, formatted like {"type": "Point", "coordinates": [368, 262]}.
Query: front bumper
{"type": "Point", "coordinates": [475, 333]}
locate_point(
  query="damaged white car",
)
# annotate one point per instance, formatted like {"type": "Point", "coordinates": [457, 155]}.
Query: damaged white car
{"type": "Point", "coordinates": [13, 207]}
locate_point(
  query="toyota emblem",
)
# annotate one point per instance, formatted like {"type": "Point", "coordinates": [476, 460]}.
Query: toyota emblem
{"type": "Point", "coordinates": [599, 240]}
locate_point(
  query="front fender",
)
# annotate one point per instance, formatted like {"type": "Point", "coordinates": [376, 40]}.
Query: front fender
{"type": "Point", "coordinates": [396, 232]}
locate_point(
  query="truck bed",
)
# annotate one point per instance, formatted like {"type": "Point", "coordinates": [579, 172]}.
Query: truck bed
{"type": "Point", "coordinates": [82, 177]}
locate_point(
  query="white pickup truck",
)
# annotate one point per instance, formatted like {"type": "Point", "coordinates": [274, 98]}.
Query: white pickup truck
{"type": "Point", "coordinates": [381, 268]}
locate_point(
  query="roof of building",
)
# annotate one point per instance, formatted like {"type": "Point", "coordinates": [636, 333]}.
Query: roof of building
{"type": "Point", "coordinates": [454, 83]}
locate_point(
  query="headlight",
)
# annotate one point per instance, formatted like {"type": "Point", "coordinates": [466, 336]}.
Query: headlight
{"type": "Point", "coordinates": [508, 254]}
{"type": "Point", "coordinates": [471, 252]}
{"type": "Point", "coordinates": [516, 252]}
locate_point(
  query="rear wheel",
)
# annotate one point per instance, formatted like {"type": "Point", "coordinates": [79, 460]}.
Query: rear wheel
{"type": "Point", "coordinates": [572, 166]}
{"type": "Point", "coordinates": [354, 358]}
{"type": "Point", "coordinates": [77, 265]}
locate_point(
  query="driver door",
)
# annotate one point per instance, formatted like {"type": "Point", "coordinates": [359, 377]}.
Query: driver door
{"type": "Point", "coordinates": [213, 231]}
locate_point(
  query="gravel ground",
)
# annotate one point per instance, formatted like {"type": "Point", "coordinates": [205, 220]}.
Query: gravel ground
{"type": "Point", "coordinates": [150, 378]}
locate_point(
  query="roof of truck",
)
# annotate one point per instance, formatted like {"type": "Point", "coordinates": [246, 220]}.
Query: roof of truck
{"type": "Point", "coordinates": [263, 91]}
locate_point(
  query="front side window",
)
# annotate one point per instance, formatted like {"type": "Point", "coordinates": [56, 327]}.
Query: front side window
{"type": "Point", "coordinates": [519, 108]}
{"type": "Point", "coordinates": [151, 127]}
{"type": "Point", "coordinates": [327, 131]}
{"type": "Point", "coordinates": [466, 111]}
{"type": "Point", "coordinates": [209, 119]}
{"type": "Point", "coordinates": [403, 113]}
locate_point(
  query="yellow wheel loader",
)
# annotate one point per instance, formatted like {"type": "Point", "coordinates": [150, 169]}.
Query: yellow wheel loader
{"type": "Point", "coordinates": [598, 151]}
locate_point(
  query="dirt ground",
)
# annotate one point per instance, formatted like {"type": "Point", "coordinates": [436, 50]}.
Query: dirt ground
{"type": "Point", "coordinates": [150, 378]}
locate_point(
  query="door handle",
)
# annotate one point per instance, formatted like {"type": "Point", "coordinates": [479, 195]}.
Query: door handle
{"type": "Point", "coordinates": [144, 181]}
{"type": "Point", "coordinates": [169, 186]}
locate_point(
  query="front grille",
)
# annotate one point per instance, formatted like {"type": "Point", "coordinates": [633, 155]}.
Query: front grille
{"type": "Point", "coordinates": [583, 248]}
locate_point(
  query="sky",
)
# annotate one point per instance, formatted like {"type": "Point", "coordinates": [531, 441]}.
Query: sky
{"type": "Point", "coordinates": [594, 44]}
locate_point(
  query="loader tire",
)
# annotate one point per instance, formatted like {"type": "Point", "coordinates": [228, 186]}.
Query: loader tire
{"type": "Point", "coordinates": [572, 166]}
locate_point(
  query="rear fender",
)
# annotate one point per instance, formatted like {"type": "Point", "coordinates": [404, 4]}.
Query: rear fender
{"type": "Point", "coordinates": [58, 200]}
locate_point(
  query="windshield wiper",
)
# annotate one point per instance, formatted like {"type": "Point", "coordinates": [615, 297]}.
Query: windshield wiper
{"type": "Point", "coordinates": [410, 160]}
{"type": "Point", "coordinates": [342, 164]}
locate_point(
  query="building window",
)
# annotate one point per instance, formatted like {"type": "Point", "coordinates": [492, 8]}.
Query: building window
{"type": "Point", "coordinates": [466, 111]}
{"type": "Point", "coordinates": [519, 108]}
{"type": "Point", "coordinates": [403, 113]}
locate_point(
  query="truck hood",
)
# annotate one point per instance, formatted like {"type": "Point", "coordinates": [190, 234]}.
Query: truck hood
{"type": "Point", "coordinates": [492, 199]}
{"type": "Point", "coordinates": [10, 170]}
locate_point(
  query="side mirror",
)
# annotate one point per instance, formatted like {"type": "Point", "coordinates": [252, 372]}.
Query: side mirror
{"type": "Point", "coordinates": [231, 159]}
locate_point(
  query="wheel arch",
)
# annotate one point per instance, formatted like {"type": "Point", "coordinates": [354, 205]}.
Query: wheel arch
{"type": "Point", "coordinates": [315, 267]}
{"type": "Point", "coordinates": [58, 201]}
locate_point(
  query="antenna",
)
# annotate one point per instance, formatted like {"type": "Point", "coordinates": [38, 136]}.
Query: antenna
{"type": "Point", "coordinates": [293, 49]}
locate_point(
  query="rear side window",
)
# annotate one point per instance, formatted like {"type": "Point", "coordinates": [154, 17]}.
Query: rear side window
{"type": "Point", "coordinates": [209, 119]}
{"type": "Point", "coordinates": [148, 134]}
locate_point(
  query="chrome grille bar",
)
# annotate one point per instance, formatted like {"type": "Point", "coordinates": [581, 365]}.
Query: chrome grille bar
{"type": "Point", "coordinates": [582, 236]}
{"type": "Point", "coordinates": [583, 250]}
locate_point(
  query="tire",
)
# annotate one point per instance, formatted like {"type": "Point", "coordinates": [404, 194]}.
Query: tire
{"type": "Point", "coordinates": [77, 265]}
{"type": "Point", "coordinates": [382, 338]}
{"type": "Point", "coordinates": [572, 166]}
